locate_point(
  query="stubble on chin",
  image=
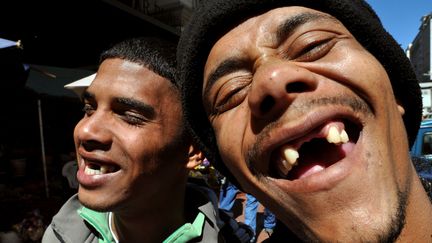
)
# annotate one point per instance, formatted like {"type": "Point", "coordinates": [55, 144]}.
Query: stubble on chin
{"type": "Point", "coordinates": [389, 232]}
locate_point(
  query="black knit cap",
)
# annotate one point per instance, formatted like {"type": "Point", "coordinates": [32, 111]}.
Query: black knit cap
{"type": "Point", "coordinates": [215, 18]}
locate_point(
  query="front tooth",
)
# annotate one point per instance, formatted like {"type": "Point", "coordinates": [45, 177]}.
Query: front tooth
{"type": "Point", "coordinates": [291, 155]}
{"type": "Point", "coordinates": [333, 135]}
{"type": "Point", "coordinates": [344, 136]}
{"type": "Point", "coordinates": [89, 171]}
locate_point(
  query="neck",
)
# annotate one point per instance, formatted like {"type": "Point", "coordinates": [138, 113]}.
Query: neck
{"type": "Point", "coordinates": [152, 224]}
{"type": "Point", "coordinates": [418, 227]}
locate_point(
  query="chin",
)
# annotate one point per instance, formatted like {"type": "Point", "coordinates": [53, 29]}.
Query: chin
{"type": "Point", "coordinates": [365, 223]}
{"type": "Point", "coordinates": [100, 203]}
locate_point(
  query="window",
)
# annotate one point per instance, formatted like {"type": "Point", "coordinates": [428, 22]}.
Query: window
{"type": "Point", "coordinates": [427, 143]}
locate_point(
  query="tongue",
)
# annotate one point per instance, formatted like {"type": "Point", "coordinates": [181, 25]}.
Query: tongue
{"type": "Point", "coordinates": [315, 156]}
{"type": "Point", "coordinates": [312, 169]}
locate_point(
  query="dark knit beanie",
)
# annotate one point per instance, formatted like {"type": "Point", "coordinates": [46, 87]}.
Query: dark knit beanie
{"type": "Point", "coordinates": [215, 18]}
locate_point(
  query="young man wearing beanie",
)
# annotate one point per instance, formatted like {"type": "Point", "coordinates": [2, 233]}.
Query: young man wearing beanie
{"type": "Point", "coordinates": [311, 106]}
{"type": "Point", "coordinates": [134, 154]}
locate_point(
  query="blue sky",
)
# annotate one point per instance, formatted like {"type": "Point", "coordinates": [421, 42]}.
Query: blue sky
{"type": "Point", "coordinates": [401, 17]}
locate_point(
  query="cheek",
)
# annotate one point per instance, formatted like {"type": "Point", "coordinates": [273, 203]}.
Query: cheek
{"type": "Point", "coordinates": [361, 72]}
{"type": "Point", "coordinates": [150, 151]}
{"type": "Point", "coordinates": [231, 131]}
{"type": "Point", "coordinates": [225, 135]}
{"type": "Point", "coordinates": [352, 63]}
{"type": "Point", "coordinates": [138, 148]}
{"type": "Point", "coordinates": [376, 75]}
{"type": "Point", "coordinates": [132, 148]}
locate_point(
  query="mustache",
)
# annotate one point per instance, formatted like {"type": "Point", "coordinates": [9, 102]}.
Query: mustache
{"type": "Point", "coordinates": [356, 104]}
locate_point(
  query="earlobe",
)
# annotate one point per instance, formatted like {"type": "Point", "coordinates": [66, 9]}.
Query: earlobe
{"type": "Point", "coordinates": [401, 110]}
{"type": "Point", "coordinates": [196, 157]}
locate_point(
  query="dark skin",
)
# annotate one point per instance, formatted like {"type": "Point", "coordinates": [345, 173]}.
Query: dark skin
{"type": "Point", "coordinates": [131, 148]}
{"type": "Point", "coordinates": [277, 88]}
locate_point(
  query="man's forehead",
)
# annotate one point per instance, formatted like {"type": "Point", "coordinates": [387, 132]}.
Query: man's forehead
{"type": "Point", "coordinates": [268, 30]}
{"type": "Point", "coordinates": [278, 15]}
{"type": "Point", "coordinates": [275, 24]}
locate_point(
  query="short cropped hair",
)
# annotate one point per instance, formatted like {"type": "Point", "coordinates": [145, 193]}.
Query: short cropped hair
{"type": "Point", "coordinates": [156, 54]}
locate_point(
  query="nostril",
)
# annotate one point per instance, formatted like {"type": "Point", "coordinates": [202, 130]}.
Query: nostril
{"type": "Point", "coordinates": [296, 87]}
{"type": "Point", "coordinates": [266, 105]}
{"type": "Point", "coordinates": [92, 145]}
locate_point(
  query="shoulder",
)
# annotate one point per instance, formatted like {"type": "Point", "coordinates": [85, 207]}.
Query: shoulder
{"type": "Point", "coordinates": [68, 226]}
{"type": "Point", "coordinates": [68, 212]}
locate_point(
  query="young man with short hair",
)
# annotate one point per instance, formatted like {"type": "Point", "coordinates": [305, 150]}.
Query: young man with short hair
{"type": "Point", "coordinates": [134, 153]}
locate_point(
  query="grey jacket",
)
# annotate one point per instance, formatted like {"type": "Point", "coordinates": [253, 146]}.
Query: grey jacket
{"type": "Point", "coordinates": [67, 226]}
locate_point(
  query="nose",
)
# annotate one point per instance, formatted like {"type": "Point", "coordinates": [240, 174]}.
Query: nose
{"type": "Point", "coordinates": [276, 84]}
{"type": "Point", "coordinates": [93, 133]}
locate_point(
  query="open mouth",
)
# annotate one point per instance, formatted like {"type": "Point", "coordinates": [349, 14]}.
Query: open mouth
{"type": "Point", "coordinates": [315, 151]}
{"type": "Point", "coordinates": [95, 168]}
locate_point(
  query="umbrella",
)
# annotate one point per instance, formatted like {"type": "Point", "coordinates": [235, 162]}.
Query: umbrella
{"type": "Point", "coordinates": [8, 43]}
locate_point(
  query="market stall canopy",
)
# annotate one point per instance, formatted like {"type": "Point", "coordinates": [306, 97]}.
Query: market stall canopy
{"type": "Point", "coordinates": [48, 80]}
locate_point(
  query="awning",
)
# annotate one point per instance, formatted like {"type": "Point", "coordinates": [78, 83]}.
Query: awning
{"type": "Point", "coordinates": [80, 85]}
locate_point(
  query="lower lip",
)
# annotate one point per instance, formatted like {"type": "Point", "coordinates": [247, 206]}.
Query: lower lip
{"type": "Point", "coordinates": [92, 181]}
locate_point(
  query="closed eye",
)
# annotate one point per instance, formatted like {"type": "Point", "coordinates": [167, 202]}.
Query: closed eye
{"type": "Point", "coordinates": [133, 111]}
{"type": "Point", "coordinates": [310, 46]}
{"type": "Point", "coordinates": [133, 118]}
{"type": "Point", "coordinates": [315, 50]}
{"type": "Point", "coordinates": [231, 95]}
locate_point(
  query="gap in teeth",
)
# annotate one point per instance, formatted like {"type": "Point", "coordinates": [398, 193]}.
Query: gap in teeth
{"type": "Point", "coordinates": [95, 169]}
{"type": "Point", "coordinates": [94, 166]}
{"type": "Point", "coordinates": [334, 134]}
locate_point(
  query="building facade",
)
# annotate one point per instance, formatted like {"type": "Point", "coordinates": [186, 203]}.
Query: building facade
{"type": "Point", "coordinates": [419, 52]}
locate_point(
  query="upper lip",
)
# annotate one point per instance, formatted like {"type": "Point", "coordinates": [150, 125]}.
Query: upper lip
{"type": "Point", "coordinates": [95, 157]}
{"type": "Point", "coordinates": [298, 131]}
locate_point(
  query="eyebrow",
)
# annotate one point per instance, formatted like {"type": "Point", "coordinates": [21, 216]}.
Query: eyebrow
{"type": "Point", "coordinates": [141, 107]}
{"type": "Point", "coordinates": [283, 31]}
{"type": "Point", "coordinates": [131, 103]}
{"type": "Point", "coordinates": [291, 24]}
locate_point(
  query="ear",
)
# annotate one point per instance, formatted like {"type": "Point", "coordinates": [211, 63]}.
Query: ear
{"type": "Point", "coordinates": [400, 108]}
{"type": "Point", "coordinates": [196, 157]}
